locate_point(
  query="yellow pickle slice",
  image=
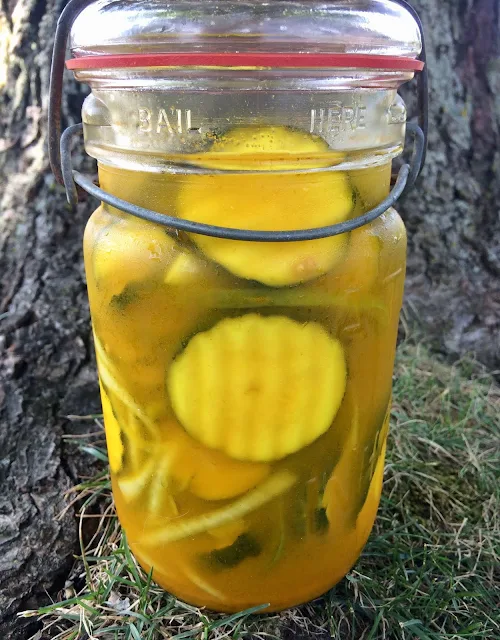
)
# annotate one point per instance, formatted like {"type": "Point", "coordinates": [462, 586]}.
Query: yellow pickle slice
{"type": "Point", "coordinates": [271, 202]}
{"type": "Point", "coordinates": [163, 459]}
{"type": "Point", "coordinates": [359, 270]}
{"type": "Point", "coordinates": [267, 148]}
{"type": "Point", "coordinates": [206, 473]}
{"type": "Point", "coordinates": [130, 251]}
{"type": "Point", "coordinates": [258, 388]}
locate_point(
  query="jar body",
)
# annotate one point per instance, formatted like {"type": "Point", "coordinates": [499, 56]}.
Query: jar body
{"type": "Point", "coordinates": [228, 479]}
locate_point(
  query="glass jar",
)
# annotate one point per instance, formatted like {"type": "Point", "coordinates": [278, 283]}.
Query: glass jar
{"type": "Point", "coordinates": [246, 386]}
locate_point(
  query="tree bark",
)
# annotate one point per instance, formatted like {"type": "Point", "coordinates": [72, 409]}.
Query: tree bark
{"type": "Point", "coordinates": [47, 368]}
{"type": "Point", "coordinates": [453, 216]}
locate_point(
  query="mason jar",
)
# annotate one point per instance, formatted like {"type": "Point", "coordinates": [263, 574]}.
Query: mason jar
{"type": "Point", "coordinates": [245, 374]}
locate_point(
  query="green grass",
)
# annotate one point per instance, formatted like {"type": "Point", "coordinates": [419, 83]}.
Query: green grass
{"type": "Point", "coordinates": [429, 571]}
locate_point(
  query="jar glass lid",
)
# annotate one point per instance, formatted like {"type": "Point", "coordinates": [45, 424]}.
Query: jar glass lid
{"type": "Point", "coordinates": [231, 33]}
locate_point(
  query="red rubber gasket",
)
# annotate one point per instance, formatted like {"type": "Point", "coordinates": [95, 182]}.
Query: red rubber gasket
{"type": "Point", "coordinates": [252, 60]}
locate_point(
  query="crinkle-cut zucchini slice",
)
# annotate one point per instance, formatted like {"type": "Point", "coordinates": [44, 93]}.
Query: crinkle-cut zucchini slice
{"type": "Point", "coordinates": [207, 473]}
{"type": "Point", "coordinates": [191, 268]}
{"type": "Point", "coordinates": [359, 270]}
{"type": "Point", "coordinates": [114, 441]}
{"type": "Point", "coordinates": [267, 148]}
{"type": "Point", "coordinates": [270, 202]}
{"type": "Point", "coordinates": [184, 268]}
{"type": "Point", "coordinates": [258, 388]}
{"type": "Point", "coordinates": [130, 251]}
{"type": "Point", "coordinates": [219, 477]}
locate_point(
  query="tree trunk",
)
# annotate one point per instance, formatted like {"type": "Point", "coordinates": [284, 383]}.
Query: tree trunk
{"type": "Point", "coordinates": [453, 217]}
{"type": "Point", "coordinates": [47, 368]}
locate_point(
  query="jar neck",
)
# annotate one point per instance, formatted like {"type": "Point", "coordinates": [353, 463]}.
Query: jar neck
{"type": "Point", "coordinates": [162, 124]}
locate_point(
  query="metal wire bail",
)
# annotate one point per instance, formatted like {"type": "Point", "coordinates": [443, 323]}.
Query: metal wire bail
{"type": "Point", "coordinates": [60, 155]}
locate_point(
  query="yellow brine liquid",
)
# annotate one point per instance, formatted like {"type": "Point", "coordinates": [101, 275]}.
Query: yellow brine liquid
{"type": "Point", "coordinates": [246, 386]}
